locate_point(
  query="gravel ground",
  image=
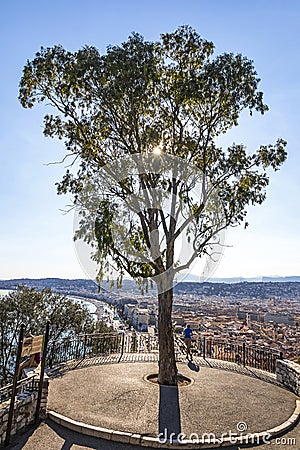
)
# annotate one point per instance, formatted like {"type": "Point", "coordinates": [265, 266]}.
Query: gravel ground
{"type": "Point", "coordinates": [116, 396]}
{"type": "Point", "coordinates": [50, 436]}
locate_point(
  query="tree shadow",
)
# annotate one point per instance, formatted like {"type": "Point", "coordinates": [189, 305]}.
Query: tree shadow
{"type": "Point", "coordinates": [18, 440]}
{"type": "Point", "coordinates": [70, 439]}
{"type": "Point", "coordinates": [169, 423]}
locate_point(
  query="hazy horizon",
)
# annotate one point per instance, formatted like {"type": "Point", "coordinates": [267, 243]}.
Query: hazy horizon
{"type": "Point", "coordinates": [188, 278]}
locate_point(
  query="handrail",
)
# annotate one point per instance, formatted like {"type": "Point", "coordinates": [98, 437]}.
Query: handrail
{"type": "Point", "coordinates": [83, 346]}
{"type": "Point", "coordinates": [252, 355]}
{"type": "Point", "coordinates": [99, 344]}
{"type": "Point", "coordinates": [28, 383]}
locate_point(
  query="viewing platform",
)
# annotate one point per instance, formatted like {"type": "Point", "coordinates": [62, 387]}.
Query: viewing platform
{"type": "Point", "coordinates": [117, 397]}
{"type": "Point", "coordinates": [113, 404]}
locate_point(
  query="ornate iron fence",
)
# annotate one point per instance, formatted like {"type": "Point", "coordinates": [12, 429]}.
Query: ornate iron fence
{"type": "Point", "coordinates": [25, 386]}
{"type": "Point", "coordinates": [84, 346]}
{"type": "Point", "coordinates": [93, 345]}
{"type": "Point", "coordinates": [251, 355]}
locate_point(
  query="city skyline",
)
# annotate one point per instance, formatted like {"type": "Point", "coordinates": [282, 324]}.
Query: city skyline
{"type": "Point", "coordinates": [36, 236]}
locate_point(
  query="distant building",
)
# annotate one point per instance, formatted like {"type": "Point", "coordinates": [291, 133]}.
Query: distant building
{"type": "Point", "coordinates": [128, 309]}
{"type": "Point", "coordinates": [179, 319]}
{"type": "Point", "coordinates": [248, 320]}
{"type": "Point", "coordinates": [140, 319]}
{"type": "Point", "coordinates": [279, 318]}
{"type": "Point", "coordinates": [194, 324]}
{"type": "Point", "coordinates": [152, 318]}
{"type": "Point", "coordinates": [253, 316]}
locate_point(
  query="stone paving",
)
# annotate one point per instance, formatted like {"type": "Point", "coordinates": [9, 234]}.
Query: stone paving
{"type": "Point", "coordinates": [121, 399]}
{"type": "Point", "coordinates": [153, 357]}
{"type": "Point", "coordinates": [215, 402]}
{"type": "Point", "coordinates": [50, 436]}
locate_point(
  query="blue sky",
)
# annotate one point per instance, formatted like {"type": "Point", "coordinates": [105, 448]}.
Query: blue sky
{"type": "Point", "coordinates": [35, 236]}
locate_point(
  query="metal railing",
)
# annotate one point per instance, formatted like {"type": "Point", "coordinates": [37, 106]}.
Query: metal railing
{"type": "Point", "coordinates": [25, 386]}
{"type": "Point", "coordinates": [251, 355]}
{"type": "Point", "coordinates": [84, 346]}
{"type": "Point", "coordinates": [140, 343]}
{"type": "Point", "coordinates": [96, 345]}
{"type": "Point", "coordinates": [93, 345]}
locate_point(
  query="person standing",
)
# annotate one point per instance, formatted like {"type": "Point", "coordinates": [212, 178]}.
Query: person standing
{"type": "Point", "coordinates": [187, 333]}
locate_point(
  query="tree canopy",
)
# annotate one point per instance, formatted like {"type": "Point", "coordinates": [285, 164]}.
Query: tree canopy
{"type": "Point", "coordinates": [140, 124]}
{"type": "Point", "coordinates": [141, 95]}
{"type": "Point", "coordinates": [34, 309]}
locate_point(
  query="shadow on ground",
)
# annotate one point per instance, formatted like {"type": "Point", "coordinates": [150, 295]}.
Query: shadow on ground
{"type": "Point", "coordinates": [51, 436]}
{"type": "Point", "coordinates": [169, 412]}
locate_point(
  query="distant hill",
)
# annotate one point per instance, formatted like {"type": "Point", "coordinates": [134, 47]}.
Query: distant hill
{"type": "Point", "coordinates": [244, 289]}
{"type": "Point", "coordinates": [267, 287]}
{"type": "Point", "coordinates": [263, 279]}
{"type": "Point", "coordinates": [41, 283]}
{"type": "Point", "coordinates": [281, 279]}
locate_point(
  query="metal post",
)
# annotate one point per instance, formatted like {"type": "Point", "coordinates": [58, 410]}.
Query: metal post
{"type": "Point", "coordinates": [43, 362]}
{"type": "Point", "coordinates": [84, 349]}
{"type": "Point", "coordinates": [77, 349]}
{"type": "Point", "coordinates": [51, 356]}
{"type": "Point", "coordinates": [204, 347]}
{"type": "Point", "coordinates": [14, 387]}
{"type": "Point", "coordinates": [133, 346]}
{"type": "Point", "coordinates": [122, 346]}
{"type": "Point", "coordinates": [244, 353]}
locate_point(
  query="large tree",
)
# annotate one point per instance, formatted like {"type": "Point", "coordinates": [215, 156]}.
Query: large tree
{"type": "Point", "coordinates": [141, 123]}
{"type": "Point", "coordinates": [34, 309]}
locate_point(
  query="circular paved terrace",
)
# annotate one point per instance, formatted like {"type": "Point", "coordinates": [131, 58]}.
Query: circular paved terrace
{"type": "Point", "coordinates": [116, 397]}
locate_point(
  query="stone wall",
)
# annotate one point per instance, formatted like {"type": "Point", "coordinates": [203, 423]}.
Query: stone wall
{"type": "Point", "coordinates": [24, 410]}
{"type": "Point", "coordinates": [288, 373]}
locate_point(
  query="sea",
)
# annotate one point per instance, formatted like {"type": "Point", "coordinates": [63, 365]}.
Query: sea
{"type": "Point", "coordinates": [4, 292]}
{"type": "Point", "coordinates": [90, 306]}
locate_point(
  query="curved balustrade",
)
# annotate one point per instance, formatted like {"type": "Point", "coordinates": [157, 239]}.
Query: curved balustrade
{"type": "Point", "coordinates": [29, 384]}
{"type": "Point", "coordinates": [92, 345]}
{"type": "Point", "coordinates": [95, 345]}
{"type": "Point", "coordinates": [251, 355]}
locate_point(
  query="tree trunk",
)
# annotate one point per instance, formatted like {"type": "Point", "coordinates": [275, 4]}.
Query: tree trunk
{"type": "Point", "coordinates": [167, 364]}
